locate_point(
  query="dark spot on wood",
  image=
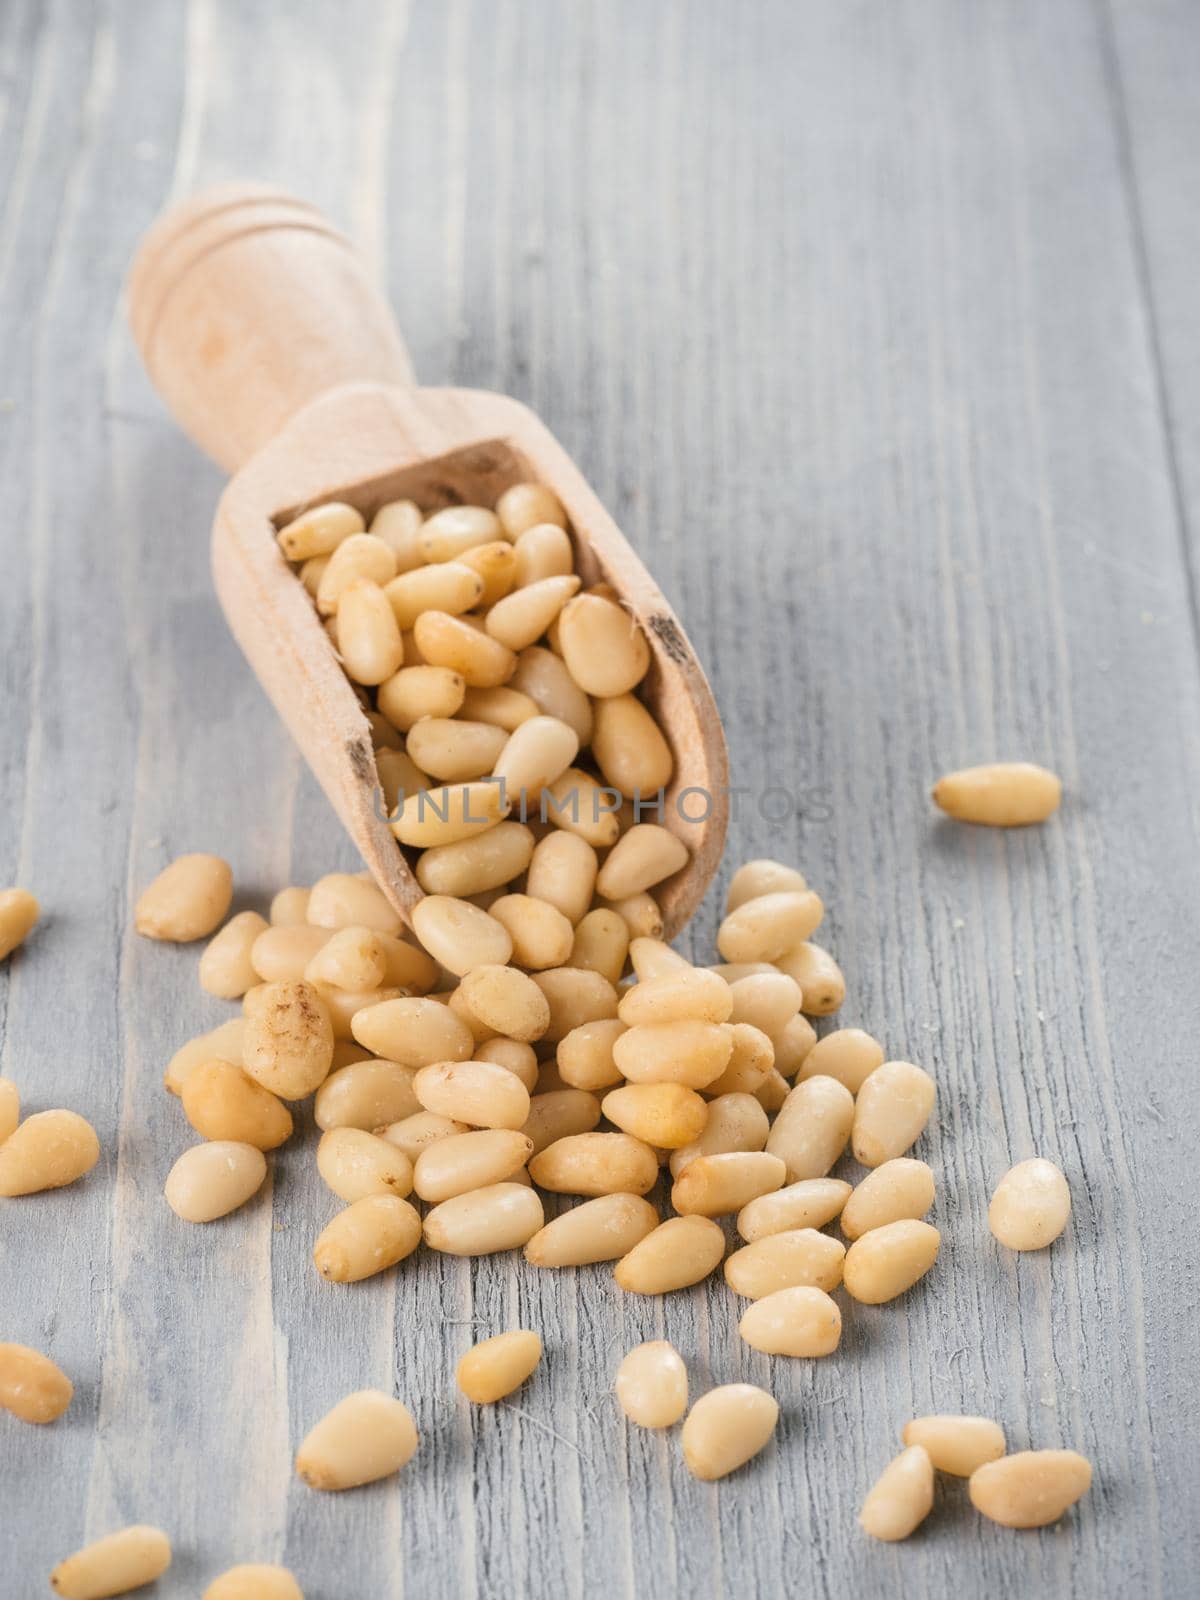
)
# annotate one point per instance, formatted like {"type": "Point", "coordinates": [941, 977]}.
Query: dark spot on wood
{"type": "Point", "coordinates": [670, 636]}
{"type": "Point", "coordinates": [361, 759]}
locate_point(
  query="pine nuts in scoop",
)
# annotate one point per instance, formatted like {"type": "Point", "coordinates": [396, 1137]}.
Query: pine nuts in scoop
{"type": "Point", "coordinates": [889, 1260]}
{"type": "Point", "coordinates": [726, 1428]}
{"type": "Point", "coordinates": [529, 505]}
{"type": "Point", "coordinates": [369, 1236]}
{"type": "Point", "coordinates": [366, 1436]}
{"type": "Point", "coordinates": [32, 1386]}
{"type": "Point", "coordinates": [800, 1321]}
{"type": "Point", "coordinates": [1031, 1205]}
{"type": "Point", "coordinates": [319, 531]}
{"type": "Point", "coordinates": [1007, 794]}
{"type": "Point", "coordinates": [652, 1385]}
{"type": "Point", "coordinates": [1031, 1488]}
{"type": "Point", "coordinates": [47, 1151]}
{"type": "Point", "coordinates": [603, 1229]}
{"type": "Point", "coordinates": [460, 935]}
{"type": "Point", "coordinates": [254, 1581]}
{"type": "Point", "coordinates": [677, 1254]}
{"type": "Point", "coordinates": [957, 1445]}
{"type": "Point", "coordinates": [901, 1497]}
{"type": "Point", "coordinates": [495, 1367]}
{"type": "Point", "coordinates": [503, 1216]}
{"type": "Point", "coordinates": [188, 900]}
{"type": "Point", "coordinates": [211, 1180]}
{"type": "Point", "coordinates": [473, 866]}
{"type": "Point", "coordinates": [113, 1565]}
{"type": "Point", "coordinates": [891, 1111]}
{"type": "Point", "coordinates": [897, 1190]}
{"type": "Point", "coordinates": [640, 859]}
{"type": "Point", "coordinates": [19, 912]}
{"type": "Point", "coordinates": [604, 649]}
{"type": "Point", "coordinates": [506, 1000]}
{"type": "Point", "coordinates": [801, 1257]}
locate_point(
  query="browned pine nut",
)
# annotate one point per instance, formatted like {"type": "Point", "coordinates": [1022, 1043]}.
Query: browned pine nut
{"type": "Point", "coordinates": [495, 1367]}
{"type": "Point", "coordinates": [288, 1043]}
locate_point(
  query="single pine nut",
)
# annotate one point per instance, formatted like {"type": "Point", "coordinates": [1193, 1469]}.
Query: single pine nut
{"type": "Point", "coordinates": [226, 969]}
{"type": "Point", "coordinates": [369, 1236]}
{"type": "Point", "coordinates": [282, 954]}
{"type": "Point", "coordinates": [542, 551]}
{"type": "Point", "coordinates": [849, 1055]}
{"type": "Point", "coordinates": [288, 1043]}
{"type": "Point", "coordinates": [469, 1161]}
{"type": "Point", "coordinates": [601, 944]}
{"type": "Point", "coordinates": [369, 641]}
{"type": "Point", "coordinates": [767, 1001]}
{"type": "Point", "coordinates": [420, 691]}
{"type": "Point", "coordinates": [798, 1321]}
{"type": "Point", "coordinates": [446, 534]}
{"type": "Point", "coordinates": [32, 1386]}
{"type": "Point", "coordinates": [640, 858]}
{"type": "Point", "coordinates": [767, 927]}
{"type": "Point", "coordinates": [798, 1258]}
{"type": "Point", "coordinates": [958, 1445]}
{"type": "Point", "coordinates": [813, 1127]}
{"type": "Point", "coordinates": [450, 586]}
{"type": "Point", "coordinates": [407, 967]}
{"type": "Point", "coordinates": [361, 557]}
{"type": "Point", "coordinates": [595, 1163]}
{"type": "Point", "coordinates": [502, 707]}
{"type": "Point", "coordinates": [414, 1134]}
{"type": "Point", "coordinates": [772, 1092]}
{"type": "Point", "coordinates": [675, 1255]}
{"type": "Point", "coordinates": [603, 646]}
{"type": "Point", "coordinates": [496, 564]}
{"type": "Point", "coordinates": [188, 900]}
{"type": "Point", "coordinates": [535, 756]}
{"type": "Point", "coordinates": [819, 976]}
{"type": "Point", "coordinates": [1031, 1488]}
{"type": "Point", "coordinates": [901, 1497]}
{"type": "Point", "coordinates": [343, 1005]}
{"type": "Point", "coordinates": [603, 1229]}
{"type": "Point", "coordinates": [10, 1107]}
{"type": "Point", "coordinates": [211, 1180]}
{"type": "Point", "coordinates": [560, 1114]}
{"type": "Point", "coordinates": [651, 958]}
{"type": "Point", "coordinates": [896, 1190]}
{"type": "Point", "coordinates": [735, 1122]}
{"type": "Point", "coordinates": [578, 804]}
{"type": "Point", "coordinates": [476, 1092]}
{"type": "Point", "coordinates": [641, 916]}
{"type": "Point", "coordinates": [414, 1031]}
{"type": "Point", "coordinates": [502, 1216]}
{"type": "Point", "coordinates": [507, 1001]}
{"type": "Point", "coordinates": [528, 505]}
{"type": "Point", "coordinates": [449, 813]}
{"type": "Point", "coordinates": [514, 1056]}
{"type": "Point", "coordinates": [254, 1580]}
{"type": "Point", "coordinates": [726, 1428]}
{"type": "Point", "coordinates": [794, 1045]}
{"type": "Point", "coordinates": [221, 1102]}
{"type": "Point", "coordinates": [665, 1115]}
{"type": "Point", "coordinates": [629, 747]}
{"type": "Point", "coordinates": [319, 531]}
{"type": "Point", "coordinates": [751, 1063]}
{"type": "Point", "coordinates": [222, 1044]}
{"type": "Point", "coordinates": [19, 912]}
{"type": "Point", "coordinates": [713, 1186]}
{"type": "Point", "coordinates": [891, 1111]}
{"type": "Point", "coordinates": [543, 677]}
{"type": "Point", "coordinates": [47, 1151]}
{"type": "Point", "coordinates": [652, 1385]}
{"type": "Point", "coordinates": [541, 936]}
{"type": "Point", "coordinates": [459, 935]}
{"type": "Point", "coordinates": [585, 1055]}
{"type": "Point", "coordinates": [575, 996]}
{"type": "Point", "coordinates": [113, 1565]}
{"type": "Point", "coordinates": [1007, 794]}
{"type": "Point", "coordinates": [446, 641]}
{"type": "Point", "coordinates": [453, 749]}
{"type": "Point", "coordinates": [811, 1203]}
{"type": "Point", "coordinates": [356, 1164]}
{"type": "Point", "coordinates": [764, 876]}
{"type": "Point", "coordinates": [351, 958]}
{"type": "Point", "coordinates": [562, 872]}
{"type": "Point", "coordinates": [366, 1095]}
{"type": "Point", "coordinates": [366, 1436]}
{"type": "Point", "coordinates": [889, 1260]}
{"type": "Point", "coordinates": [691, 1053]}
{"type": "Point", "coordinates": [495, 1367]}
{"type": "Point", "coordinates": [345, 900]}
{"type": "Point", "coordinates": [523, 617]}
{"type": "Point", "coordinates": [1030, 1206]}
{"type": "Point", "coordinates": [398, 524]}
{"type": "Point", "coordinates": [692, 994]}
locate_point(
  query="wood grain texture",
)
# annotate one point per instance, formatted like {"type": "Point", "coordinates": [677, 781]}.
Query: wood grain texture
{"type": "Point", "coordinates": [874, 328]}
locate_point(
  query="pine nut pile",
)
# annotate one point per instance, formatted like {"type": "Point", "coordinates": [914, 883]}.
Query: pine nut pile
{"type": "Point", "coordinates": [532, 1035]}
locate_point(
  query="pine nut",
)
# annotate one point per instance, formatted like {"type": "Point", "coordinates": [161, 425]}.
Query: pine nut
{"type": "Point", "coordinates": [449, 813]}
{"type": "Point", "coordinates": [19, 912]}
{"type": "Point", "coordinates": [794, 1045]}
{"type": "Point", "coordinates": [735, 1122]}
{"type": "Point", "coordinates": [764, 876]}
{"type": "Point", "coordinates": [651, 958]}
{"type": "Point", "coordinates": [503, 1216]}
{"type": "Point", "coordinates": [226, 969]}
{"type": "Point", "coordinates": [507, 1001]}
{"type": "Point", "coordinates": [677, 1254]}
{"type": "Point", "coordinates": [713, 1186]}
{"type": "Point", "coordinates": [726, 1428]}
{"type": "Point", "coordinates": [641, 916]}
{"type": "Point", "coordinates": [343, 1005]}
{"type": "Point", "coordinates": [797, 1258]}
{"type": "Point", "coordinates": [345, 900]}
{"type": "Point", "coordinates": [891, 1111]}
{"type": "Point", "coordinates": [886, 1262]}
{"type": "Point", "coordinates": [514, 1056]}
{"type": "Point", "coordinates": [446, 641]}
{"type": "Point", "coordinates": [901, 1497]}
{"type": "Point", "coordinates": [541, 936]}
{"type": "Point", "coordinates": [691, 1053]}
{"type": "Point", "coordinates": [113, 1565]}
{"type": "Point", "coordinates": [528, 505]}
{"type": "Point", "coordinates": [188, 900]}
{"type": "Point", "coordinates": [523, 617]}
{"type": "Point", "coordinates": [454, 750]}
{"type": "Point", "coordinates": [414, 1031]}
{"type": "Point", "coordinates": [575, 996]}
{"type": "Point", "coordinates": [288, 1043]}
{"type": "Point", "coordinates": [319, 531]}
{"type": "Point", "coordinates": [897, 1190]}
{"type": "Point", "coordinates": [407, 967]}
{"type": "Point", "coordinates": [958, 1445]}
{"type": "Point", "coordinates": [629, 747]}
{"type": "Point", "coordinates": [211, 1180]}
{"type": "Point", "coordinates": [356, 1164]}
{"type": "Point", "coordinates": [595, 1163]}
{"type": "Point", "coordinates": [414, 1134]}
{"type": "Point", "coordinates": [282, 954]}
{"type": "Point", "coordinates": [665, 1115]}
{"type": "Point", "coordinates": [366, 1095]}
{"type": "Point", "coordinates": [10, 1107]}
{"type": "Point", "coordinates": [495, 1367]}
{"type": "Point", "coordinates": [535, 756]}
{"type": "Point", "coordinates": [560, 1114]}
{"type": "Point", "coordinates": [420, 691]}
{"type": "Point", "coordinates": [399, 774]}
{"type": "Point", "coordinates": [369, 641]}
{"type": "Point", "coordinates": [603, 646]}
{"type": "Point", "coordinates": [819, 976]}
{"type": "Point", "coordinates": [652, 1385]}
{"type": "Point", "coordinates": [496, 564]}
{"type": "Point", "coordinates": [578, 804]}
{"type": "Point", "coordinates": [369, 1236]}
{"type": "Point", "coordinates": [351, 958]}
{"type": "Point", "coordinates": [772, 1092]}
{"type": "Point", "coordinates": [849, 1055]}
{"type": "Point", "coordinates": [47, 1151]}
{"type": "Point", "coordinates": [543, 677]}
{"type": "Point", "coordinates": [1007, 794]}
{"type": "Point", "coordinates": [692, 994]}
{"type": "Point", "coordinates": [451, 586]}
{"type": "Point", "coordinates": [32, 1386]}
{"type": "Point", "coordinates": [459, 935]}
{"type": "Point", "coordinates": [767, 1001]}
{"type": "Point", "coordinates": [563, 871]}
{"type": "Point", "coordinates": [398, 524]}
{"type": "Point", "coordinates": [799, 1321]}
{"type": "Point", "coordinates": [222, 1103]}
{"type": "Point", "coordinates": [360, 557]}
{"type": "Point", "coordinates": [813, 1127]}
{"type": "Point", "coordinates": [1031, 1205]}
{"type": "Point", "coordinates": [446, 534]}
{"type": "Point", "coordinates": [501, 707]}
{"type": "Point", "coordinates": [601, 944]}
{"type": "Point", "coordinates": [641, 858]}
{"type": "Point", "coordinates": [751, 1063]}
{"type": "Point", "coordinates": [603, 1229]}
{"type": "Point", "coordinates": [254, 1581]}
{"type": "Point", "coordinates": [311, 574]}
{"type": "Point", "coordinates": [585, 1055]}
{"type": "Point", "coordinates": [469, 1161]}
{"type": "Point", "coordinates": [476, 1092]}
{"type": "Point", "coordinates": [366, 1436]}
{"type": "Point", "coordinates": [1031, 1488]}
{"type": "Point", "coordinates": [767, 927]}
{"type": "Point", "coordinates": [542, 551]}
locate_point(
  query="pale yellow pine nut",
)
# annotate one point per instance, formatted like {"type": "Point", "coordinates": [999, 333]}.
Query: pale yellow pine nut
{"type": "Point", "coordinates": [629, 747]}
{"type": "Point", "coordinates": [595, 1164]}
{"type": "Point", "coordinates": [891, 1111]}
{"type": "Point", "coordinates": [19, 912]}
{"type": "Point", "coordinates": [1031, 1488]}
{"type": "Point", "coordinates": [529, 505]}
{"type": "Point", "coordinates": [467, 1161]}
{"type": "Point", "coordinates": [813, 1127]}
{"type": "Point", "coordinates": [222, 1102]}
{"type": "Point", "coordinates": [496, 1367]}
{"type": "Point", "coordinates": [886, 1262]}
{"type": "Point", "coordinates": [1006, 794]}
{"type": "Point", "coordinates": [797, 1321]}
{"type": "Point", "coordinates": [798, 1258]}
{"type": "Point", "coordinates": [535, 755]}
{"type": "Point", "coordinates": [479, 1093]}
{"type": "Point", "coordinates": [399, 776]}
{"type": "Point", "coordinates": [449, 813]}
{"type": "Point", "coordinates": [416, 1031]}
{"type": "Point", "coordinates": [452, 587]}
{"type": "Point", "coordinates": [641, 915]}
{"type": "Point", "coordinates": [289, 908]}
{"type": "Point", "coordinates": [715, 1185]}
{"type": "Point", "coordinates": [793, 1045]}
{"type": "Point", "coordinates": [496, 564]}
{"type": "Point", "coordinates": [1031, 1205]}
{"type": "Point", "coordinates": [346, 900]}
{"type": "Point", "coordinates": [188, 900]}
{"type": "Point", "coordinates": [211, 1180]}
{"type": "Point", "coordinates": [226, 968]}
{"type": "Point", "coordinates": [735, 1122]}
{"type": "Point", "coordinates": [811, 1203]}
{"type": "Point", "coordinates": [361, 556]}
{"type": "Point", "coordinates": [767, 1001]}
{"type": "Point", "coordinates": [446, 534]}
{"type": "Point", "coordinates": [901, 1497]}
{"type": "Point", "coordinates": [820, 978]}
{"type": "Point", "coordinates": [690, 994]}
{"type": "Point", "coordinates": [603, 645]}
{"type": "Point", "coordinates": [355, 1164]}
{"type": "Point", "coordinates": [575, 995]}
{"type": "Point", "coordinates": [288, 1043]}
{"type": "Point", "coordinates": [772, 1092]}
{"type": "Point", "coordinates": [454, 750]}
{"type": "Point", "coordinates": [542, 551]}
{"type": "Point", "coordinates": [513, 1055]}
{"type": "Point", "coordinates": [523, 616]}
{"type": "Point", "coordinates": [47, 1151]}
{"type": "Point", "coordinates": [457, 1003]}
{"type": "Point", "coordinates": [601, 944]}
{"type": "Point", "coordinates": [958, 1445]}
{"type": "Point", "coordinates": [420, 690]}
{"type": "Point", "coordinates": [366, 1094]}
{"type": "Point", "coordinates": [677, 1254]}
{"type": "Point", "coordinates": [750, 1064]}
{"type": "Point", "coordinates": [602, 1229]}
{"type": "Point", "coordinates": [641, 858]}
{"type": "Point", "coordinates": [451, 642]}
{"type": "Point", "coordinates": [351, 958]}
{"type": "Point", "coordinates": [369, 1236]}
{"type": "Point", "coordinates": [562, 871]}
{"type": "Point", "coordinates": [473, 866]}
{"type": "Point", "coordinates": [763, 876]}
{"type": "Point", "coordinates": [366, 1436]}
{"type": "Point", "coordinates": [319, 531]}
{"type": "Point", "coordinates": [414, 1134]}
{"type": "Point", "coordinates": [459, 935]}
{"type": "Point", "coordinates": [10, 1107]}
{"type": "Point", "coordinates": [727, 1427]}
{"type": "Point", "coordinates": [651, 958]}
{"type": "Point", "coordinates": [32, 1386]}
{"type": "Point", "coordinates": [541, 936]}
{"type": "Point", "coordinates": [896, 1190]}
{"type": "Point", "coordinates": [652, 1385]}
{"type": "Point", "coordinates": [312, 572]}
{"type": "Point", "coordinates": [282, 954]}
{"type": "Point", "coordinates": [665, 1115]}
{"type": "Point", "coordinates": [849, 1054]}
{"type": "Point", "coordinates": [543, 677]}
{"type": "Point", "coordinates": [558, 1114]}
{"type": "Point", "coordinates": [369, 641]}
{"type": "Point", "coordinates": [507, 1000]}
{"type": "Point", "coordinates": [768, 926]}
{"type": "Point", "coordinates": [113, 1565]}
{"type": "Point", "coordinates": [691, 1053]}
{"type": "Point", "coordinates": [501, 707]}
{"type": "Point", "coordinates": [254, 1581]}
{"type": "Point", "coordinates": [398, 524]}
{"type": "Point", "coordinates": [502, 1216]}
{"type": "Point", "coordinates": [343, 1005]}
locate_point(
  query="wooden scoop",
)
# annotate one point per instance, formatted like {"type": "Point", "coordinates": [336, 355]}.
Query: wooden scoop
{"type": "Point", "coordinates": [260, 329]}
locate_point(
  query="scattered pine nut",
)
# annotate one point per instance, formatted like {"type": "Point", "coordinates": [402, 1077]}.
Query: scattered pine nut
{"type": "Point", "coordinates": [366, 1436]}
{"type": "Point", "coordinates": [254, 1581]}
{"type": "Point", "coordinates": [19, 912]}
{"type": "Point", "coordinates": [1030, 1489]}
{"type": "Point", "coordinates": [32, 1386]}
{"type": "Point", "coordinates": [727, 1427]}
{"type": "Point", "coordinates": [113, 1565]}
{"type": "Point", "coordinates": [889, 1260]}
{"type": "Point", "coordinates": [1031, 1205]}
{"type": "Point", "coordinates": [47, 1151]}
{"type": "Point", "coordinates": [652, 1385]}
{"type": "Point", "coordinates": [495, 1367]}
{"type": "Point", "coordinates": [603, 1229]}
{"type": "Point", "coordinates": [957, 1445]}
{"type": "Point", "coordinates": [1007, 794]}
{"type": "Point", "coordinates": [188, 900]}
{"type": "Point", "coordinates": [800, 1321]}
{"type": "Point", "coordinates": [897, 1190]}
{"type": "Point", "coordinates": [901, 1497]}
{"type": "Point", "coordinates": [10, 1107]}
{"type": "Point", "coordinates": [211, 1180]}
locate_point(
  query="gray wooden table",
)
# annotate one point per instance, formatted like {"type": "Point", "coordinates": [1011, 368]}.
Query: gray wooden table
{"type": "Point", "coordinates": [876, 326]}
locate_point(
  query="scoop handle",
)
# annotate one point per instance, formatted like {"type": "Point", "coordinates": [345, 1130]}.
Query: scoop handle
{"type": "Point", "coordinates": [246, 304]}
